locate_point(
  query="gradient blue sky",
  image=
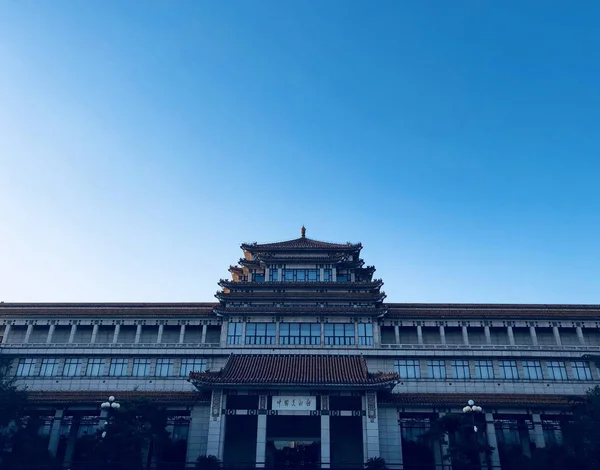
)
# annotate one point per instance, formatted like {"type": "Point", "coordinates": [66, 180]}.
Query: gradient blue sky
{"type": "Point", "coordinates": [142, 141]}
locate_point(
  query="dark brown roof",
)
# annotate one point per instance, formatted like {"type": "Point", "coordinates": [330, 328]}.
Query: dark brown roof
{"type": "Point", "coordinates": [294, 370]}
{"type": "Point", "coordinates": [105, 309]}
{"type": "Point", "coordinates": [95, 397]}
{"type": "Point", "coordinates": [300, 243]}
{"type": "Point", "coordinates": [491, 399]}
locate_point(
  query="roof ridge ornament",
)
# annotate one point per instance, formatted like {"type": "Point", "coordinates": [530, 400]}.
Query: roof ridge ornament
{"type": "Point", "coordinates": [303, 231]}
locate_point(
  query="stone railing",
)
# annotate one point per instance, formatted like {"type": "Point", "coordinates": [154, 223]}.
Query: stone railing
{"type": "Point", "coordinates": [505, 347]}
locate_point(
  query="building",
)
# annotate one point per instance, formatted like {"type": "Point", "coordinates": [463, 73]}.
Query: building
{"type": "Point", "coordinates": [301, 360]}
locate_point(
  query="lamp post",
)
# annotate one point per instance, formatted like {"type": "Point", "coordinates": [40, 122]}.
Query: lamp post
{"type": "Point", "coordinates": [473, 409]}
{"type": "Point", "coordinates": [109, 405]}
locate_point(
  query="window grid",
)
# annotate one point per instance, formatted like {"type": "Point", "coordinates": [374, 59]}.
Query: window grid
{"type": "Point", "coordinates": [460, 369]}
{"type": "Point", "coordinates": [508, 370]}
{"type": "Point", "coordinates": [273, 274]}
{"type": "Point", "coordinates": [557, 370]}
{"type": "Point", "coordinates": [339, 334]}
{"type": "Point", "coordinates": [300, 333]}
{"type": "Point", "coordinates": [484, 370]}
{"type": "Point", "coordinates": [95, 367]}
{"type": "Point", "coordinates": [408, 368]}
{"type": "Point", "coordinates": [302, 275]}
{"type": "Point", "coordinates": [436, 369]}
{"type": "Point", "coordinates": [72, 367]}
{"type": "Point", "coordinates": [581, 370]}
{"type": "Point", "coordinates": [141, 367]}
{"type": "Point", "coordinates": [192, 365]}
{"type": "Point", "coordinates": [365, 334]}
{"type": "Point", "coordinates": [234, 333]}
{"type": "Point", "coordinates": [260, 333]}
{"type": "Point", "coordinates": [49, 367]}
{"type": "Point", "coordinates": [164, 367]}
{"type": "Point", "coordinates": [118, 367]}
{"type": "Point", "coordinates": [25, 367]}
{"type": "Point", "coordinates": [532, 370]}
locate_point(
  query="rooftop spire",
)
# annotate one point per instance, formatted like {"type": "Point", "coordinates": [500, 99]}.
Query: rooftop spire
{"type": "Point", "coordinates": [303, 231]}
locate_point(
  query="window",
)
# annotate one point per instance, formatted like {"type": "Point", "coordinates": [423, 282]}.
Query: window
{"type": "Point", "coordinates": [300, 333]}
{"type": "Point", "coordinates": [192, 365]}
{"type": "Point", "coordinates": [25, 367]}
{"type": "Point", "coordinates": [288, 275]}
{"type": "Point", "coordinates": [327, 275]}
{"type": "Point", "coordinates": [460, 369]}
{"type": "Point", "coordinates": [118, 367]}
{"type": "Point", "coordinates": [141, 367]}
{"type": "Point", "coordinates": [532, 370]}
{"type": "Point", "coordinates": [234, 333]}
{"type": "Point", "coordinates": [365, 334]}
{"type": "Point", "coordinates": [484, 369]}
{"type": "Point", "coordinates": [436, 369]}
{"type": "Point", "coordinates": [314, 275]}
{"type": "Point", "coordinates": [408, 368]}
{"type": "Point", "coordinates": [258, 277]}
{"type": "Point", "coordinates": [164, 367]}
{"type": "Point", "coordinates": [508, 370]}
{"type": "Point", "coordinates": [273, 274]}
{"type": "Point", "coordinates": [72, 367]}
{"type": "Point", "coordinates": [339, 334]}
{"type": "Point", "coordinates": [557, 370]}
{"type": "Point", "coordinates": [581, 370]}
{"type": "Point", "coordinates": [260, 333]}
{"type": "Point", "coordinates": [302, 275]}
{"type": "Point", "coordinates": [49, 367]}
{"type": "Point", "coordinates": [95, 367]}
{"type": "Point", "coordinates": [342, 276]}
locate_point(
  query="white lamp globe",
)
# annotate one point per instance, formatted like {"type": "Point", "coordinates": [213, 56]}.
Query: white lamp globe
{"type": "Point", "coordinates": [470, 402]}
{"type": "Point", "coordinates": [467, 409]}
{"type": "Point", "coordinates": [111, 399]}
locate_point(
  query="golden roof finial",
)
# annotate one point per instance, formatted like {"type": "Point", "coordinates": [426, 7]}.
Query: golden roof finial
{"type": "Point", "coordinates": [303, 231]}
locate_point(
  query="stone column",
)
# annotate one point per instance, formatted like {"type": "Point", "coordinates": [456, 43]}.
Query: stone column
{"type": "Point", "coordinates": [279, 274]}
{"type": "Point", "coordinates": [216, 425]}
{"type": "Point", "coordinates": [391, 446]}
{"type": "Point", "coordinates": [322, 333]}
{"type": "Point", "coordinates": [138, 334]}
{"type": "Point", "coordinates": [488, 335]}
{"type": "Point", "coordinates": [55, 431]}
{"type": "Point", "coordinates": [511, 335]}
{"type": "Point", "coordinates": [94, 334]}
{"type": "Point", "coordinates": [325, 433]}
{"type": "Point", "coordinates": [333, 274]}
{"type": "Point", "coordinates": [181, 334]}
{"type": "Point", "coordinates": [465, 335]}
{"type": "Point", "coordinates": [71, 441]}
{"type": "Point", "coordinates": [490, 432]}
{"type": "Point", "coordinates": [376, 335]}
{"type": "Point", "coordinates": [28, 333]}
{"type": "Point", "coordinates": [538, 431]}
{"type": "Point", "coordinates": [580, 337]}
{"type": "Point", "coordinates": [261, 432]}
{"type": "Point", "coordinates": [441, 451]}
{"type": "Point", "coordinates": [161, 330]}
{"type": "Point", "coordinates": [533, 335]}
{"type": "Point", "coordinates": [397, 333]}
{"type": "Point", "coordinates": [6, 332]}
{"type": "Point", "coordinates": [556, 332]}
{"type": "Point", "coordinates": [197, 433]}
{"type": "Point", "coordinates": [51, 329]}
{"type": "Point", "coordinates": [442, 334]}
{"type": "Point", "coordinates": [371, 427]}
{"type": "Point", "coordinates": [115, 339]}
{"type": "Point", "coordinates": [419, 334]}
{"type": "Point", "coordinates": [204, 330]}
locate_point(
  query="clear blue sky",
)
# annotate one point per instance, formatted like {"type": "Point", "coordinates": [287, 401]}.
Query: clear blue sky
{"type": "Point", "coordinates": [141, 142]}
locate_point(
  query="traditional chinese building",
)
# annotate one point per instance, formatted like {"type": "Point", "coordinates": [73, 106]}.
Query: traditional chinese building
{"type": "Point", "coordinates": [302, 361]}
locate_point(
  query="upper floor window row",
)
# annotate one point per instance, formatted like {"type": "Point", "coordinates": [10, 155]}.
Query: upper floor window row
{"type": "Point", "coordinates": [298, 275]}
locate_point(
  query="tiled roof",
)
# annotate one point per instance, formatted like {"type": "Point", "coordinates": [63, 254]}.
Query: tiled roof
{"type": "Point", "coordinates": [294, 370]}
{"type": "Point", "coordinates": [96, 397]}
{"type": "Point", "coordinates": [106, 309]}
{"type": "Point", "coordinates": [300, 243]}
{"type": "Point", "coordinates": [490, 400]}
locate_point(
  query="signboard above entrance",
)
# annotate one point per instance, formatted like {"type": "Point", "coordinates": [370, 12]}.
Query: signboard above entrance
{"type": "Point", "coordinates": [286, 402]}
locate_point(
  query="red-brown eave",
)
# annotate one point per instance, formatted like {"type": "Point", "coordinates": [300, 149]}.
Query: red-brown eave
{"type": "Point", "coordinates": [300, 243]}
{"type": "Point", "coordinates": [490, 400]}
{"type": "Point", "coordinates": [97, 397]}
{"type": "Point", "coordinates": [294, 370]}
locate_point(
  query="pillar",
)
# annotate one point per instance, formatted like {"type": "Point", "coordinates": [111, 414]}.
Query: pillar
{"type": "Point", "coordinates": [556, 335]}
{"type": "Point", "coordinates": [465, 335]}
{"type": "Point", "coordinates": [490, 432]}
{"type": "Point", "coordinates": [6, 332]}
{"type": "Point", "coordinates": [580, 337]}
{"type": "Point", "coordinates": [488, 335]}
{"type": "Point", "coordinates": [94, 334]}
{"type": "Point", "coordinates": [181, 334]}
{"type": "Point", "coordinates": [51, 329]}
{"type": "Point", "coordinates": [441, 451]}
{"type": "Point", "coordinates": [511, 335]}
{"type": "Point", "coordinates": [115, 339]}
{"type": "Point", "coordinates": [28, 333]}
{"type": "Point", "coordinates": [72, 333]}
{"type": "Point", "coordinates": [371, 427]}
{"type": "Point", "coordinates": [325, 442]}
{"type": "Point", "coordinates": [204, 330]}
{"type": "Point", "coordinates": [55, 432]}
{"type": "Point", "coordinates": [397, 333]}
{"type": "Point", "coordinates": [261, 432]}
{"type": "Point", "coordinates": [391, 446]}
{"type": "Point", "coordinates": [533, 335]}
{"type": "Point", "coordinates": [138, 334]}
{"type": "Point", "coordinates": [71, 441]}
{"type": "Point", "coordinates": [376, 335]}
{"type": "Point", "coordinates": [538, 431]}
{"type": "Point", "coordinates": [216, 425]}
{"type": "Point", "coordinates": [442, 335]}
{"type": "Point", "coordinates": [161, 329]}
{"type": "Point", "coordinates": [197, 434]}
{"type": "Point", "coordinates": [419, 334]}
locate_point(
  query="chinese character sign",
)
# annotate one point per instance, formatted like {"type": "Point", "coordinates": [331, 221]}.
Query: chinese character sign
{"type": "Point", "coordinates": [284, 402]}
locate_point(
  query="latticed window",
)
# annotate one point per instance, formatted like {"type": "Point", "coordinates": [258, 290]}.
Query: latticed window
{"type": "Point", "coordinates": [192, 365]}
{"type": "Point", "coordinates": [95, 367]}
{"type": "Point", "coordinates": [436, 369]}
{"type": "Point", "coordinates": [532, 370]}
{"type": "Point", "coordinates": [408, 368]}
{"type": "Point", "coordinates": [365, 334]}
{"type": "Point", "coordinates": [49, 367]}
{"type": "Point", "coordinates": [484, 370]}
{"type": "Point", "coordinates": [141, 367]}
{"type": "Point", "coordinates": [234, 333]}
{"type": "Point", "coordinates": [72, 367]}
{"type": "Point", "coordinates": [300, 333]}
{"type": "Point", "coordinates": [508, 370]}
{"type": "Point", "coordinates": [327, 275]}
{"type": "Point", "coordinates": [557, 370]}
{"type": "Point", "coordinates": [460, 369]}
{"type": "Point", "coordinates": [581, 370]}
{"type": "Point", "coordinates": [25, 367]}
{"type": "Point", "coordinates": [118, 367]}
{"type": "Point", "coordinates": [273, 274]}
{"type": "Point", "coordinates": [339, 334]}
{"type": "Point", "coordinates": [260, 333]}
{"type": "Point", "coordinates": [164, 367]}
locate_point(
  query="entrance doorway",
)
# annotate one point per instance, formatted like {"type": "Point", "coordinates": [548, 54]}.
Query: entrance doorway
{"type": "Point", "coordinates": [293, 442]}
